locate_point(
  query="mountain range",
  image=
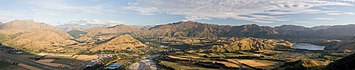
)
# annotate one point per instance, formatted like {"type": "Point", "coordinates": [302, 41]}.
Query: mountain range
{"type": "Point", "coordinates": [288, 32]}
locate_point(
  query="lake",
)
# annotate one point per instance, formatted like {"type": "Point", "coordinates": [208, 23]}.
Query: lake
{"type": "Point", "coordinates": [307, 46]}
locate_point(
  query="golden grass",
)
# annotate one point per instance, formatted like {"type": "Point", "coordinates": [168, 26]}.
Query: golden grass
{"type": "Point", "coordinates": [50, 64]}
{"type": "Point", "coordinates": [258, 64]}
{"type": "Point", "coordinates": [28, 67]}
{"type": "Point", "coordinates": [191, 56]}
{"type": "Point", "coordinates": [201, 54]}
{"type": "Point", "coordinates": [46, 60]}
{"type": "Point", "coordinates": [229, 64]}
{"type": "Point", "coordinates": [178, 58]}
{"type": "Point", "coordinates": [86, 57]}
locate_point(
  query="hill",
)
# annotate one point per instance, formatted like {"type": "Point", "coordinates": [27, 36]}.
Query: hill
{"type": "Point", "coordinates": [104, 33]}
{"type": "Point", "coordinates": [41, 41]}
{"type": "Point", "coordinates": [346, 63]}
{"type": "Point", "coordinates": [34, 36]}
{"type": "Point", "coordinates": [76, 33]}
{"type": "Point", "coordinates": [343, 46]}
{"type": "Point", "coordinates": [121, 42]}
{"type": "Point", "coordinates": [25, 25]}
{"type": "Point", "coordinates": [305, 64]}
{"type": "Point", "coordinates": [251, 44]}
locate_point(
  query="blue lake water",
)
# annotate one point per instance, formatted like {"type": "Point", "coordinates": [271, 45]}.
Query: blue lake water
{"type": "Point", "coordinates": [307, 46]}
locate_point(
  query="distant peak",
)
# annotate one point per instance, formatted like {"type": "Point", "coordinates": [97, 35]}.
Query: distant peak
{"type": "Point", "coordinates": [188, 22]}
{"type": "Point", "coordinates": [25, 25]}
{"type": "Point", "coordinates": [250, 25]}
{"type": "Point", "coordinates": [17, 20]}
{"type": "Point", "coordinates": [25, 22]}
{"type": "Point", "coordinates": [119, 25]}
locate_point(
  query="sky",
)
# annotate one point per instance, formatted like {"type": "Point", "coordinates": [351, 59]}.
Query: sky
{"type": "Point", "coordinates": [154, 12]}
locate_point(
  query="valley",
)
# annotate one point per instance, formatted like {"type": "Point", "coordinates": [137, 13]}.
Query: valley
{"type": "Point", "coordinates": [182, 45]}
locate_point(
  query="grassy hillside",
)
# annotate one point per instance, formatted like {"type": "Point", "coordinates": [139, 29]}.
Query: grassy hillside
{"type": "Point", "coordinates": [2, 37]}
{"type": "Point", "coordinates": [76, 33]}
{"type": "Point", "coordinates": [121, 42]}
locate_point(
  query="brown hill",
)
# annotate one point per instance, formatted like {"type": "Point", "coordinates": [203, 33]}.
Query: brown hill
{"type": "Point", "coordinates": [121, 42]}
{"type": "Point", "coordinates": [41, 40]}
{"type": "Point", "coordinates": [25, 25]}
{"type": "Point", "coordinates": [34, 36]}
{"type": "Point", "coordinates": [251, 44]}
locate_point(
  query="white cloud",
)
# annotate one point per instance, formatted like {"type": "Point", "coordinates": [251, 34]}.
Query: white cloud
{"type": "Point", "coordinates": [59, 7]}
{"type": "Point", "coordinates": [142, 10]}
{"type": "Point", "coordinates": [192, 18]}
{"type": "Point", "coordinates": [93, 22]}
{"type": "Point", "coordinates": [323, 18]}
{"type": "Point", "coordinates": [235, 9]}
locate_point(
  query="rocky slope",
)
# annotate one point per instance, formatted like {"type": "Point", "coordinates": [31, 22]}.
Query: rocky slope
{"type": "Point", "coordinates": [121, 42]}
{"type": "Point", "coordinates": [250, 44]}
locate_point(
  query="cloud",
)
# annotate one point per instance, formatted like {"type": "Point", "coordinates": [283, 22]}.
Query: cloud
{"type": "Point", "coordinates": [52, 11]}
{"type": "Point", "coordinates": [142, 10]}
{"type": "Point", "coordinates": [323, 18]}
{"type": "Point", "coordinates": [236, 9]}
{"type": "Point", "coordinates": [59, 7]}
{"type": "Point", "coordinates": [192, 18]}
{"type": "Point", "coordinates": [93, 22]}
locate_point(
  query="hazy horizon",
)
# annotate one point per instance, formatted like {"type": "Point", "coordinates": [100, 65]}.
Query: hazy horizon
{"type": "Point", "coordinates": [114, 24]}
